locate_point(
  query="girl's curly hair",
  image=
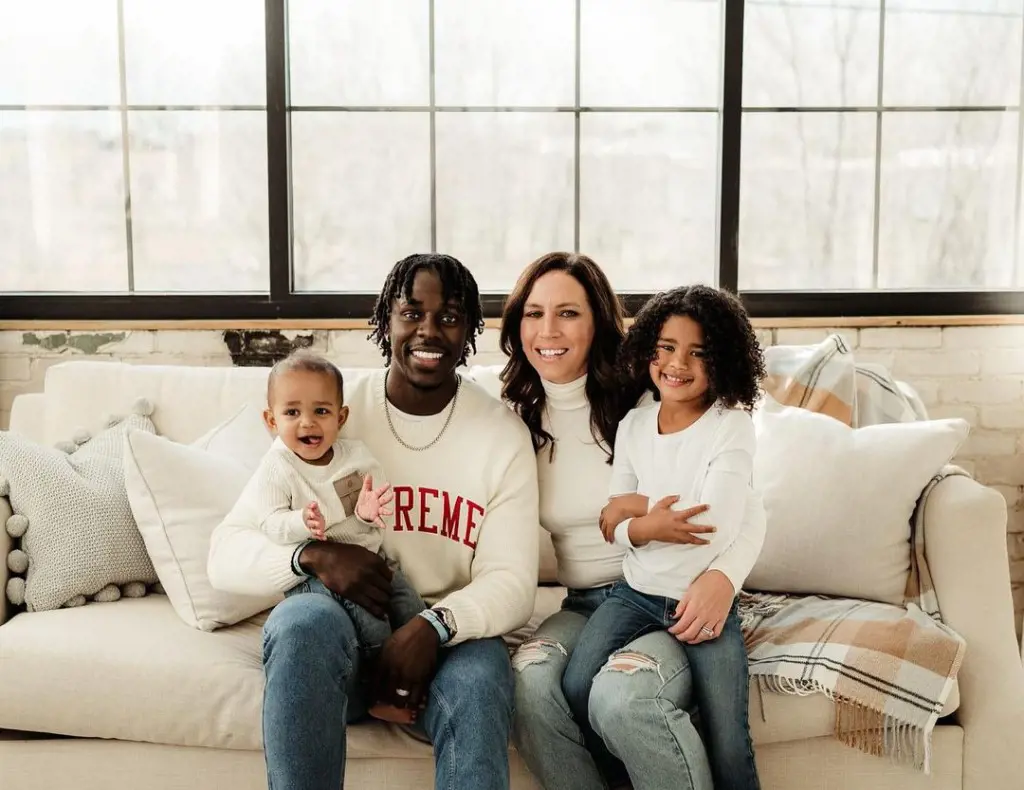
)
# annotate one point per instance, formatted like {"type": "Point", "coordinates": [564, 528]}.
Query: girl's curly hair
{"type": "Point", "coordinates": [733, 357]}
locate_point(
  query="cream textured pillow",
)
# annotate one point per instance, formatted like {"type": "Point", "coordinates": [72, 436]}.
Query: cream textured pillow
{"type": "Point", "coordinates": [179, 494]}
{"type": "Point", "coordinates": [839, 500]}
{"type": "Point", "coordinates": [78, 540]}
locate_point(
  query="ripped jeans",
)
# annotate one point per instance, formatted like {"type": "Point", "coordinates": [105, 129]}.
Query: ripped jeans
{"type": "Point", "coordinates": [639, 712]}
{"type": "Point", "coordinates": [719, 676]}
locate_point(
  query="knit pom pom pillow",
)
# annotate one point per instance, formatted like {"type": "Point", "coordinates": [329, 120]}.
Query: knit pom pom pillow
{"type": "Point", "coordinates": [75, 538]}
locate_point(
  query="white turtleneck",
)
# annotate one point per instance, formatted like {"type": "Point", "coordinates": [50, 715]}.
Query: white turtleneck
{"type": "Point", "coordinates": [574, 488]}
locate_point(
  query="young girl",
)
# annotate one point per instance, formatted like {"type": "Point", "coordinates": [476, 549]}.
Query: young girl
{"type": "Point", "coordinates": [696, 350]}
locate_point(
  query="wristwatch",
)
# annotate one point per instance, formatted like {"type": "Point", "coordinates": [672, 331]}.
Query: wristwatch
{"type": "Point", "coordinates": [449, 621]}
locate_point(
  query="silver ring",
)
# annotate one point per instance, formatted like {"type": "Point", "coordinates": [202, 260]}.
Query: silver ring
{"type": "Point", "coordinates": [706, 631]}
{"type": "Point", "coordinates": [402, 692]}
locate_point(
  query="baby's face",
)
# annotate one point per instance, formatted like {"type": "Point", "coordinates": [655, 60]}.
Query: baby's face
{"type": "Point", "coordinates": [306, 412]}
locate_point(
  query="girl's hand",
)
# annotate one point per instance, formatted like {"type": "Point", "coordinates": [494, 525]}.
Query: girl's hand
{"type": "Point", "coordinates": [618, 509]}
{"type": "Point", "coordinates": [669, 526]}
{"type": "Point", "coordinates": [314, 521]}
{"type": "Point", "coordinates": [704, 606]}
{"type": "Point", "coordinates": [372, 503]}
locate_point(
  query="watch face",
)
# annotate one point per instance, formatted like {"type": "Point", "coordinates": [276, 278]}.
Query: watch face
{"type": "Point", "coordinates": [449, 620]}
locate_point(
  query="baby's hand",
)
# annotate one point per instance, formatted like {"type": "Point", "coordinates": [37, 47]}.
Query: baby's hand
{"type": "Point", "coordinates": [372, 502]}
{"type": "Point", "coordinates": [314, 520]}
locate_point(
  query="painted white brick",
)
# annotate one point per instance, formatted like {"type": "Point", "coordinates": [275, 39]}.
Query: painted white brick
{"type": "Point", "coordinates": [1013, 496]}
{"type": "Point", "coordinates": [10, 343]}
{"type": "Point", "coordinates": [945, 411]}
{"type": "Point", "coordinates": [983, 337]}
{"type": "Point", "coordinates": [1010, 416]}
{"type": "Point", "coordinates": [1015, 548]}
{"type": "Point", "coordinates": [985, 391]}
{"type": "Point", "coordinates": [1002, 361]}
{"type": "Point", "coordinates": [5, 420]}
{"type": "Point", "coordinates": [811, 337]}
{"type": "Point", "coordinates": [927, 391]}
{"type": "Point", "coordinates": [15, 368]}
{"type": "Point", "coordinates": [1014, 522]}
{"type": "Point", "coordinates": [192, 342]}
{"type": "Point", "coordinates": [887, 359]}
{"type": "Point", "coordinates": [901, 337]}
{"type": "Point", "coordinates": [765, 337]}
{"type": "Point", "coordinates": [1000, 470]}
{"type": "Point", "coordinates": [351, 341]}
{"type": "Point", "coordinates": [136, 343]}
{"type": "Point", "coordinates": [981, 443]}
{"type": "Point", "coordinates": [935, 363]}
{"type": "Point", "coordinates": [968, 466]}
{"type": "Point", "coordinates": [487, 343]}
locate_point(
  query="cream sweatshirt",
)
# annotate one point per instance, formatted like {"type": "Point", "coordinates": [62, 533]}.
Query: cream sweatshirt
{"type": "Point", "coordinates": [283, 484]}
{"type": "Point", "coordinates": [574, 486]}
{"type": "Point", "coordinates": [465, 525]}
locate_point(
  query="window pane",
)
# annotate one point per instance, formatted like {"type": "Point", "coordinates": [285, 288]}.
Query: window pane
{"type": "Point", "coordinates": [811, 53]}
{"type": "Point", "coordinates": [360, 196]}
{"type": "Point", "coordinates": [368, 54]}
{"type": "Point", "coordinates": [650, 53]}
{"type": "Point", "coordinates": [948, 194]}
{"type": "Point", "coordinates": [59, 52]}
{"type": "Point", "coordinates": [62, 224]}
{"type": "Point", "coordinates": [195, 52]}
{"type": "Point", "coordinates": [199, 201]}
{"type": "Point", "coordinates": [495, 53]}
{"type": "Point", "coordinates": [807, 201]}
{"type": "Point", "coordinates": [648, 186]}
{"type": "Point", "coordinates": [952, 52]}
{"type": "Point", "coordinates": [504, 190]}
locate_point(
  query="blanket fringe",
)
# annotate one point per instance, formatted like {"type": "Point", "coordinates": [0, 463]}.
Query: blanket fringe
{"type": "Point", "coordinates": [863, 728]}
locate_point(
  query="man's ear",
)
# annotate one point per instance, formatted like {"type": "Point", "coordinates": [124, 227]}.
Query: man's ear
{"type": "Point", "coordinates": [269, 421]}
{"type": "Point", "coordinates": [342, 416]}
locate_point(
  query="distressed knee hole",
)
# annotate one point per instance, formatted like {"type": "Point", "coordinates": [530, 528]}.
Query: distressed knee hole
{"type": "Point", "coordinates": [629, 662]}
{"type": "Point", "coordinates": [535, 651]}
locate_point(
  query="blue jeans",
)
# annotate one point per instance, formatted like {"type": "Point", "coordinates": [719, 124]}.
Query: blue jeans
{"type": "Point", "coordinates": [405, 603]}
{"type": "Point", "coordinates": [721, 681]}
{"type": "Point", "coordinates": [640, 713]}
{"type": "Point", "coordinates": [308, 704]}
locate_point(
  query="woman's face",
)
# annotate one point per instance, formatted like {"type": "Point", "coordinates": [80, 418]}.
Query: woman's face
{"type": "Point", "coordinates": [557, 328]}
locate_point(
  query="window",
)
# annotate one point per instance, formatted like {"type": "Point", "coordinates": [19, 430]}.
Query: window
{"type": "Point", "coordinates": [252, 159]}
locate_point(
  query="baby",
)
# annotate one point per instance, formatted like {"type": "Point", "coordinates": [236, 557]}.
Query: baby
{"type": "Point", "coordinates": [313, 485]}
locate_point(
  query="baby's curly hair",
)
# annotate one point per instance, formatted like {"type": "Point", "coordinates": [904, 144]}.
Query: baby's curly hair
{"type": "Point", "coordinates": [733, 357]}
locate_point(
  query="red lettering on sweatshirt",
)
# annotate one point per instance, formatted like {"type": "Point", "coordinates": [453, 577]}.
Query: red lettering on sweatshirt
{"type": "Point", "coordinates": [403, 506]}
{"type": "Point", "coordinates": [452, 516]}
{"type": "Point", "coordinates": [425, 508]}
{"type": "Point", "coordinates": [471, 522]}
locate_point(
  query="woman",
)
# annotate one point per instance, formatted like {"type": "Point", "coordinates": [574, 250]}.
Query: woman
{"type": "Point", "coordinates": [561, 330]}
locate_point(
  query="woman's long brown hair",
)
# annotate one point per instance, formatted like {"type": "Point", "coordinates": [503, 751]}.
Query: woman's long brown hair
{"type": "Point", "coordinates": [521, 384]}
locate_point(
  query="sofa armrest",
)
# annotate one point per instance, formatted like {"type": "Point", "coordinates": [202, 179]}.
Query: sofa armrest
{"type": "Point", "coordinates": [6, 544]}
{"type": "Point", "coordinates": [965, 533]}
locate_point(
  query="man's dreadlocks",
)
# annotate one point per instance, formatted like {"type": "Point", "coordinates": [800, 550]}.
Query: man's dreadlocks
{"type": "Point", "coordinates": [457, 283]}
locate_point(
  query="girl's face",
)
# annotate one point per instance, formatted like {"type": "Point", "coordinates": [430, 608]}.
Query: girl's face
{"type": "Point", "coordinates": [557, 329]}
{"type": "Point", "coordinates": [678, 369]}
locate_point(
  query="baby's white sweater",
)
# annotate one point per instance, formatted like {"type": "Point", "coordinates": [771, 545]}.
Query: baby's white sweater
{"type": "Point", "coordinates": [283, 484]}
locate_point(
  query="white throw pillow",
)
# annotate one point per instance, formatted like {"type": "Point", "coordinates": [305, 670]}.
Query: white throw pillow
{"type": "Point", "coordinates": [179, 494]}
{"type": "Point", "coordinates": [839, 500]}
{"type": "Point", "coordinates": [243, 437]}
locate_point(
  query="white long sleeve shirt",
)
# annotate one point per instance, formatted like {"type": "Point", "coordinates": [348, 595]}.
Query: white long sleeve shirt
{"type": "Point", "coordinates": [465, 526]}
{"type": "Point", "coordinates": [283, 484]}
{"type": "Point", "coordinates": [711, 463]}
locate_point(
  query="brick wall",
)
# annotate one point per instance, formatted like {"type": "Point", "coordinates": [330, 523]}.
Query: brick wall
{"type": "Point", "coordinates": [972, 372]}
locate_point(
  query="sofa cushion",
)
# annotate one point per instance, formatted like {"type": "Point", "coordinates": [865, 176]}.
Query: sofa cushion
{"type": "Point", "coordinates": [839, 500]}
{"type": "Point", "coordinates": [78, 539]}
{"type": "Point", "coordinates": [131, 670]}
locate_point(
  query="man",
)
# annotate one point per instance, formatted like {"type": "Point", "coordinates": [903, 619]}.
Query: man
{"type": "Point", "coordinates": [464, 530]}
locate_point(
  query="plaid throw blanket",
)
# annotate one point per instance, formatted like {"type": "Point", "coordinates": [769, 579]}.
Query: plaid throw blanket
{"type": "Point", "coordinates": [889, 669]}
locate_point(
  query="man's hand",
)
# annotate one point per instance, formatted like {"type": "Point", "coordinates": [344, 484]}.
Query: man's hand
{"type": "Point", "coordinates": [408, 661]}
{"type": "Point", "coordinates": [352, 572]}
{"type": "Point", "coordinates": [373, 502]}
{"type": "Point", "coordinates": [314, 521]}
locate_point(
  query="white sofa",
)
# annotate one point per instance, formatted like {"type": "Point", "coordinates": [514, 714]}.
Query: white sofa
{"type": "Point", "coordinates": [125, 695]}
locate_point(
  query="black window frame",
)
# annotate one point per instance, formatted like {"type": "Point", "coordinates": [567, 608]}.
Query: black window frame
{"type": "Point", "coordinates": [281, 302]}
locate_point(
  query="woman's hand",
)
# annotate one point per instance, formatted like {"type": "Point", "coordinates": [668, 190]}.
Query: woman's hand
{"type": "Point", "coordinates": [669, 526]}
{"type": "Point", "coordinates": [704, 606]}
{"type": "Point", "coordinates": [618, 509]}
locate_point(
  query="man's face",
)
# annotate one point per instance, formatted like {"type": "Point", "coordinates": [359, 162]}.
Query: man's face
{"type": "Point", "coordinates": [428, 335]}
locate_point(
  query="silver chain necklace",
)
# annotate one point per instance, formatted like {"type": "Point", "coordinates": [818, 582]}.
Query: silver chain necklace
{"type": "Point", "coordinates": [436, 439]}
